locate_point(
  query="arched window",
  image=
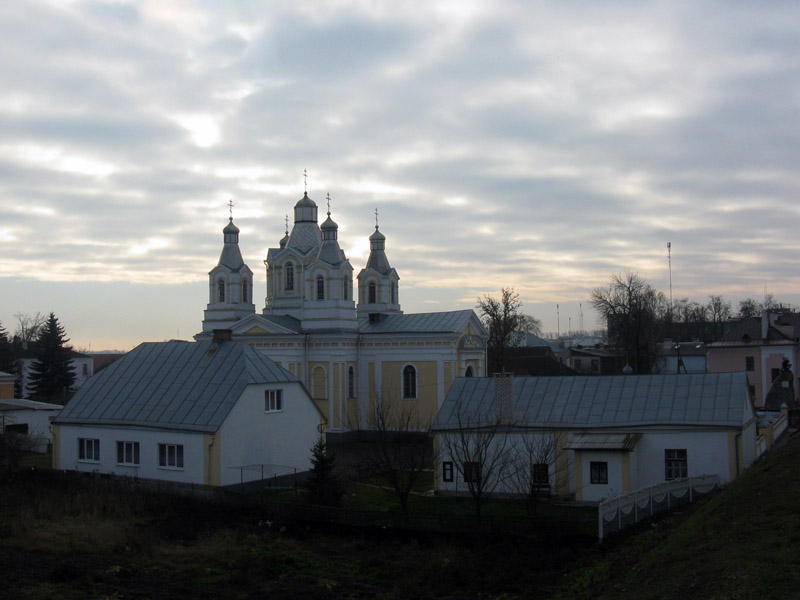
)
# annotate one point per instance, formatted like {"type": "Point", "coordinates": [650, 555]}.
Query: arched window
{"type": "Point", "coordinates": [409, 382]}
{"type": "Point", "coordinates": [394, 292]}
{"type": "Point", "coordinates": [318, 387]}
{"type": "Point", "coordinates": [468, 372]}
{"type": "Point", "coordinates": [221, 291]}
{"type": "Point", "coordinates": [351, 382]}
{"type": "Point", "coordinates": [372, 294]}
{"type": "Point", "coordinates": [320, 287]}
{"type": "Point", "coordinates": [346, 290]}
{"type": "Point", "coordinates": [289, 277]}
{"type": "Point", "coordinates": [244, 291]}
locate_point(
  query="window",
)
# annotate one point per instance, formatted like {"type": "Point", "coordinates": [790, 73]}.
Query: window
{"type": "Point", "coordinates": [85, 370]}
{"type": "Point", "coordinates": [394, 293]}
{"type": "Point", "coordinates": [676, 464]}
{"type": "Point", "coordinates": [19, 428]}
{"type": "Point", "coordinates": [752, 390]}
{"type": "Point", "coordinates": [244, 291]}
{"type": "Point", "coordinates": [289, 276]}
{"type": "Point", "coordinates": [469, 372]}
{"type": "Point", "coordinates": [409, 382]}
{"type": "Point", "coordinates": [598, 472]}
{"type": "Point", "coordinates": [346, 290]}
{"type": "Point", "coordinates": [273, 400]}
{"type": "Point", "coordinates": [221, 291]}
{"type": "Point", "coordinates": [541, 474]}
{"type": "Point", "coordinates": [749, 363]}
{"type": "Point", "coordinates": [447, 471]}
{"type": "Point", "coordinates": [170, 456]}
{"type": "Point", "coordinates": [351, 382]}
{"type": "Point", "coordinates": [472, 472]}
{"type": "Point", "coordinates": [577, 362]}
{"type": "Point", "coordinates": [595, 365]}
{"type": "Point", "coordinates": [128, 453]}
{"type": "Point", "coordinates": [88, 449]}
{"type": "Point", "coordinates": [320, 287]}
{"type": "Point", "coordinates": [372, 295]}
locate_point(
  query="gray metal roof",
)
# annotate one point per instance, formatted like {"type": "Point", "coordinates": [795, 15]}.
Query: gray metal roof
{"type": "Point", "coordinates": [707, 399]}
{"type": "Point", "coordinates": [172, 385]}
{"type": "Point", "coordinates": [440, 322]}
{"type": "Point", "coordinates": [603, 441]}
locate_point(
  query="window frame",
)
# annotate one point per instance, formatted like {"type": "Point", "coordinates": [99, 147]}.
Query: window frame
{"type": "Point", "coordinates": [122, 453]}
{"type": "Point", "coordinates": [221, 291]}
{"type": "Point", "coordinates": [447, 471]}
{"type": "Point", "coordinates": [84, 445]}
{"type": "Point", "coordinates": [288, 280]}
{"type": "Point", "coordinates": [749, 363]}
{"type": "Point", "coordinates": [676, 463]}
{"type": "Point", "coordinates": [351, 382]}
{"type": "Point", "coordinates": [320, 282]}
{"type": "Point", "coordinates": [410, 387]}
{"type": "Point", "coordinates": [472, 471]}
{"type": "Point", "coordinates": [540, 474]}
{"type": "Point", "coordinates": [372, 293]}
{"type": "Point", "coordinates": [598, 472]}
{"type": "Point", "coordinates": [245, 291]}
{"type": "Point", "coordinates": [164, 456]}
{"type": "Point", "coordinates": [273, 400]}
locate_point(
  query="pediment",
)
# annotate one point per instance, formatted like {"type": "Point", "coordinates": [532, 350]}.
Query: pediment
{"type": "Point", "coordinates": [257, 325]}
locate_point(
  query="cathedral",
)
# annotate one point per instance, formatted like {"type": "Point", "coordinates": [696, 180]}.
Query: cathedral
{"type": "Point", "coordinates": [350, 345]}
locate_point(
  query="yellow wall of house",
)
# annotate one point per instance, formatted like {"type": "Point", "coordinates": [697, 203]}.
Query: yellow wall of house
{"type": "Point", "coordinates": [427, 403]}
{"type": "Point", "coordinates": [7, 390]}
{"type": "Point", "coordinates": [626, 472]}
{"type": "Point", "coordinates": [562, 463]}
{"type": "Point", "coordinates": [578, 475]}
{"type": "Point", "coordinates": [212, 445]}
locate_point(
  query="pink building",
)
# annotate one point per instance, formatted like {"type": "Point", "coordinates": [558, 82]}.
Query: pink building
{"type": "Point", "coordinates": [759, 346]}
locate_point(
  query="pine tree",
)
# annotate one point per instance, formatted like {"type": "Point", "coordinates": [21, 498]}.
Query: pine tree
{"type": "Point", "coordinates": [52, 376]}
{"type": "Point", "coordinates": [7, 362]}
{"type": "Point", "coordinates": [323, 487]}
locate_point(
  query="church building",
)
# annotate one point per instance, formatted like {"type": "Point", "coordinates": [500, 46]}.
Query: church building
{"type": "Point", "coordinates": [347, 347]}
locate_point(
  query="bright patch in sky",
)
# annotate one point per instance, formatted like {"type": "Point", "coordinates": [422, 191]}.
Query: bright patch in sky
{"type": "Point", "coordinates": [204, 129]}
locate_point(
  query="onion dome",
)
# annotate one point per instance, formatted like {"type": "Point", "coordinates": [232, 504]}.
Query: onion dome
{"type": "Point", "coordinates": [305, 210]}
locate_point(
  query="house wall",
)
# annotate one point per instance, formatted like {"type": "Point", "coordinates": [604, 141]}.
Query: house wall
{"type": "Point", "coordinates": [592, 492]}
{"type": "Point", "coordinates": [38, 422]}
{"type": "Point", "coordinates": [707, 452]}
{"type": "Point", "coordinates": [193, 470]}
{"type": "Point", "coordinates": [7, 388]}
{"type": "Point", "coordinates": [251, 436]}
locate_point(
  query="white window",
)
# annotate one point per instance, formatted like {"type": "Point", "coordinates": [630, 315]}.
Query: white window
{"type": "Point", "coordinates": [676, 464]}
{"type": "Point", "coordinates": [273, 400]}
{"type": "Point", "coordinates": [170, 456]}
{"type": "Point", "coordinates": [320, 287]}
{"type": "Point", "coordinates": [289, 277]}
{"type": "Point", "coordinates": [128, 453]}
{"type": "Point", "coordinates": [447, 470]}
{"type": "Point", "coordinates": [88, 449]}
{"type": "Point", "coordinates": [221, 291]}
{"type": "Point", "coordinates": [372, 294]}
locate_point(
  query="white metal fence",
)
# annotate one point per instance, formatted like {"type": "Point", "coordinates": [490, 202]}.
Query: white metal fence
{"type": "Point", "coordinates": [614, 514]}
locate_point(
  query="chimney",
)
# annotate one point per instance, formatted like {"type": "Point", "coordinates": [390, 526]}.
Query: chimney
{"type": "Point", "coordinates": [504, 397]}
{"type": "Point", "coordinates": [222, 335]}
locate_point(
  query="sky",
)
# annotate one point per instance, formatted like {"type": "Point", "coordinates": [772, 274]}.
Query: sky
{"type": "Point", "coordinates": [539, 145]}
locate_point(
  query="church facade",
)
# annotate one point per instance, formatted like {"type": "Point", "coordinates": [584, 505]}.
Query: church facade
{"type": "Point", "coordinates": [347, 340]}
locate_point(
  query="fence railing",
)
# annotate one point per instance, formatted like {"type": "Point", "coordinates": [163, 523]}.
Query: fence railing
{"type": "Point", "coordinates": [614, 514]}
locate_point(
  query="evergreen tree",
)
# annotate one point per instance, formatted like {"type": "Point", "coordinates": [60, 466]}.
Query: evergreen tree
{"type": "Point", "coordinates": [323, 487]}
{"type": "Point", "coordinates": [52, 375]}
{"type": "Point", "coordinates": [7, 362]}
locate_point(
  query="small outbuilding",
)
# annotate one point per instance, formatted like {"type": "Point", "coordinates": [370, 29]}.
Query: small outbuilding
{"type": "Point", "coordinates": [594, 437]}
{"type": "Point", "coordinates": [214, 412]}
{"type": "Point", "coordinates": [28, 419]}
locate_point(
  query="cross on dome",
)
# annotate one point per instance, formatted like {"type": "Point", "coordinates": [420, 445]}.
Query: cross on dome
{"type": "Point", "coordinates": [230, 209]}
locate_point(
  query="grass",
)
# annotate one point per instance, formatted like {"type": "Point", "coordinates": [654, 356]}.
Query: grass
{"type": "Point", "coordinates": [740, 543]}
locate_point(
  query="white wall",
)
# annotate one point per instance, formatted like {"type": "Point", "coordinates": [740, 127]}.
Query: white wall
{"type": "Point", "coordinates": [251, 436]}
{"type": "Point", "coordinates": [707, 453]}
{"type": "Point", "coordinates": [148, 439]}
{"type": "Point", "coordinates": [38, 422]}
{"type": "Point", "coordinates": [593, 492]}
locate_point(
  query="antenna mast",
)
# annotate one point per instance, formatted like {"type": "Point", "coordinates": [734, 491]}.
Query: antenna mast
{"type": "Point", "coordinates": [669, 259]}
{"type": "Point", "coordinates": [558, 322]}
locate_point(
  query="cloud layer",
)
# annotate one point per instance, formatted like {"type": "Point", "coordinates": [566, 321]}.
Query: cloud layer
{"type": "Point", "coordinates": [542, 146]}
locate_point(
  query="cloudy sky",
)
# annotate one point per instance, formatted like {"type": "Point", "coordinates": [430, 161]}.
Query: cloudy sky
{"type": "Point", "coordinates": [532, 144]}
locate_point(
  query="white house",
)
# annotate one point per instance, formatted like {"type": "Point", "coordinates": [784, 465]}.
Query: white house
{"type": "Point", "coordinates": [28, 418]}
{"type": "Point", "coordinates": [25, 355]}
{"type": "Point", "coordinates": [604, 435]}
{"type": "Point", "coordinates": [215, 412]}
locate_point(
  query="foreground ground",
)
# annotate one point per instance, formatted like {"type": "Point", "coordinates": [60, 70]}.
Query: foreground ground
{"type": "Point", "coordinates": [63, 539]}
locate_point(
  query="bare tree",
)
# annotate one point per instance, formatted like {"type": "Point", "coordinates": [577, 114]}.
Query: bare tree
{"type": "Point", "coordinates": [506, 323]}
{"type": "Point", "coordinates": [482, 453]}
{"type": "Point", "coordinates": [536, 469]}
{"type": "Point", "coordinates": [634, 312]}
{"type": "Point", "coordinates": [399, 455]}
{"type": "Point", "coordinates": [28, 326]}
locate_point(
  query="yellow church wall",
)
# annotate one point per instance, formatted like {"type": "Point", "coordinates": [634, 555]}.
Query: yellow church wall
{"type": "Point", "coordinates": [427, 387]}
{"type": "Point", "coordinates": [324, 408]}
